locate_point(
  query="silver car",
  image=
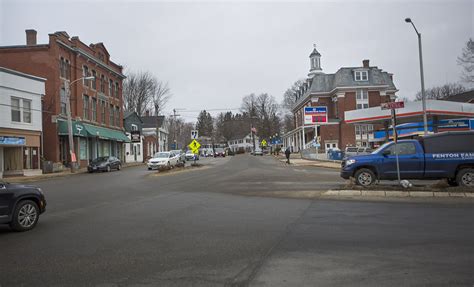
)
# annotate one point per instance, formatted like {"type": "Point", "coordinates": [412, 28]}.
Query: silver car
{"type": "Point", "coordinates": [180, 154]}
{"type": "Point", "coordinates": [164, 159]}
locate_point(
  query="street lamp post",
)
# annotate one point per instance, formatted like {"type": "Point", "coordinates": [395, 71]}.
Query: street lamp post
{"type": "Point", "coordinates": [69, 119]}
{"type": "Point", "coordinates": [423, 97]}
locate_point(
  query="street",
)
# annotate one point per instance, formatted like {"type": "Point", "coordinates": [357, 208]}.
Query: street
{"type": "Point", "coordinates": [216, 226]}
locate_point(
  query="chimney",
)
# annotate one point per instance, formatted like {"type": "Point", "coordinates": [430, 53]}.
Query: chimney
{"type": "Point", "coordinates": [30, 37]}
{"type": "Point", "coordinates": [365, 63]}
{"type": "Point", "coordinates": [147, 113]}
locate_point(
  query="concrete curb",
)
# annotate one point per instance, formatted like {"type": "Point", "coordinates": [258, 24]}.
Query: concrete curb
{"type": "Point", "coordinates": [398, 194]}
{"type": "Point", "coordinates": [66, 173]}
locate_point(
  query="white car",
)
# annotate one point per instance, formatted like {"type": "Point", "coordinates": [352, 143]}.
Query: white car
{"type": "Point", "coordinates": [163, 159]}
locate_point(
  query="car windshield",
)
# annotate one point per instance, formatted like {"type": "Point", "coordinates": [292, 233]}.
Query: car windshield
{"type": "Point", "coordinates": [176, 151]}
{"type": "Point", "coordinates": [101, 159]}
{"type": "Point", "coordinates": [161, 155]}
{"type": "Point", "coordinates": [219, 150]}
{"type": "Point", "coordinates": [381, 148]}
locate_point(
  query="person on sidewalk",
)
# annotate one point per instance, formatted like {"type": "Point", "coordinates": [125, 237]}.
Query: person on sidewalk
{"type": "Point", "coordinates": [287, 154]}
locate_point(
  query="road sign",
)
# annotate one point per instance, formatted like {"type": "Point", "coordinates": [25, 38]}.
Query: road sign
{"type": "Point", "coordinates": [194, 146]}
{"type": "Point", "coordinates": [392, 105]}
{"type": "Point", "coordinates": [194, 134]}
{"type": "Point", "coordinates": [264, 143]}
{"type": "Point", "coordinates": [314, 115]}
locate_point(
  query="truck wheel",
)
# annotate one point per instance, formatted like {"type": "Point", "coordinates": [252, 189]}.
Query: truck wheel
{"type": "Point", "coordinates": [452, 182]}
{"type": "Point", "coordinates": [364, 177]}
{"type": "Point", "coordinates": [465, 177]}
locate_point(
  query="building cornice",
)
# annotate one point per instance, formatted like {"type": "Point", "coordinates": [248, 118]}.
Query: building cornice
{"type": "Point", "coordinates": [91, 58]}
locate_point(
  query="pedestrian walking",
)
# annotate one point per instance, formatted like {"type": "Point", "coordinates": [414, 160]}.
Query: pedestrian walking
{"type": "Point", "coordinates": [287, 154]}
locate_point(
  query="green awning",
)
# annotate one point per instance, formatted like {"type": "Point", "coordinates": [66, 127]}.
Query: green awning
{"type": "Point", "coordinates": [78, 129]}
{"type": "Point", "coordinates": [86, 130]}
{"type": "Point", "coordinates": [105, 133]}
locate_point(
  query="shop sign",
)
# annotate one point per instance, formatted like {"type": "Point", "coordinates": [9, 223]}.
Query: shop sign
{"type": "Point", "coordinates": [135, 136]}
{"type": "Point", "coordinates": [12, 141]}
{"type": "Point", "coordinates": [314, 115]}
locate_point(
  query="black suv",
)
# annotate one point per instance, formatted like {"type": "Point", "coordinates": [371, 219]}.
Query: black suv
{"type": "Point", "coordinates": [21, 205]}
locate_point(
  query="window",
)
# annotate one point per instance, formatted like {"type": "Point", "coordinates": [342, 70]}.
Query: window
{"type": "Point", "coordinates": [403, 148]}
{"type": "Point", "coordinates": [85, 107]}
{"type": "Point", "coordinates": [138, 148]}
{"type": "Point", "coordinates": [117, 117]}
{"type": "Point", "coordinates": [111, 115]}
{"type": "Point", "coordinates": [64, 68]}
{"type": "Point", "coordinates": [102, 84]}
{"type": "Point", "coordinates": [85, 73]}
{"type": "Point", "coordinates": [361, 75]}
{"type": "Point", "coordinates": [134, 127]}
{"type": "Point", "coordinates": [62, 95]}
{"type": "Point", "coordinates": [103, 112]}
{"type": "Point", "coordinates": [26, 111]}
{"type": "Point", "coordinates": [16, 113]}
{"type": "Point", "coordinates": [116, 89]}
{"type": "Point", "coordinates": [94, 81]}
{"type": "Point", "coordinates": [362, 99]}
{"type": "Point", "coordinates": [111, 88]}
{"type": "Point", "coordinates": [94, 110]}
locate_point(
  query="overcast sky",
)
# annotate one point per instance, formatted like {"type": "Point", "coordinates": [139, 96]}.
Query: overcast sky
{"type": "Point", "coordinates": [214, 53]}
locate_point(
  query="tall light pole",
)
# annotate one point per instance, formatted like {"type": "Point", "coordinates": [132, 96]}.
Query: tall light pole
{"type": "Point", "coordinates": [69, 119]}
{"type": "Point", "coordinates": [423, 97]}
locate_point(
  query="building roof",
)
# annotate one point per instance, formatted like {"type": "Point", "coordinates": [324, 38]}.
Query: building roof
{"type": "Point", "coordinates": [314, 53]}
{"type": "Point", "coordinates": [344, 77]}
{"type": "Point", "coordinates": [152, 121]}
{"type": "Point", "coordinates": [322, 83]}
{"type": "Point", "coordinates": [466, 97]}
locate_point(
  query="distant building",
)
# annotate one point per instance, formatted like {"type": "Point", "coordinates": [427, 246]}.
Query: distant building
{"type": "Point", "coordinates": [466, 97]}
{"type": "Point", "coordinates": [96, 105]}
{"type": "Point", "coordinates": [21, 123]}
{"type": "Point", "coordinates": [243, 142]}
{"type": "Point", "coordinates": [350, 88]}
{"type": "Point", "coordinates": [155, 135]}
{"type": "Point", "coordinates": [133, 126]}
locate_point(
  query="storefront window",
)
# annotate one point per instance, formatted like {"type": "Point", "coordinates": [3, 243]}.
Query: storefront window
{"type": "Point", "coordinates": [83, 149]}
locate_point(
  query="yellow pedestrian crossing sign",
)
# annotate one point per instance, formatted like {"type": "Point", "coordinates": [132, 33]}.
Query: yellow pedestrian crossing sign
{"type": "Point", "coordinates": [194, 146]}
{"type": "Point", "coordinates": [264, 143]}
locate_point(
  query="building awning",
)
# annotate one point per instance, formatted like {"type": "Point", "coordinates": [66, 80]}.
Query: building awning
{"type": "Point", "coordinates": [86, 130]}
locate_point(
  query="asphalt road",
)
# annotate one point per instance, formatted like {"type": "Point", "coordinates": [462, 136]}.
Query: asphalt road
{"type": "Point", "coordinates": [216, 226]}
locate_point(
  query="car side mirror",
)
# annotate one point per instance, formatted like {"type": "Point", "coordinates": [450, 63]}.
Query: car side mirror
{"type": "Point", "coordinates": [386, 152]}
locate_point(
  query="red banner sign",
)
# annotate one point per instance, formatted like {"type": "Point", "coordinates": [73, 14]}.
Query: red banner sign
{"type": "Point", "coordinates": [392, 105]}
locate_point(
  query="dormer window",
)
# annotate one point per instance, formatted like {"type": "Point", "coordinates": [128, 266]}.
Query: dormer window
{"type": "Point", "coordinates": [361, 76]}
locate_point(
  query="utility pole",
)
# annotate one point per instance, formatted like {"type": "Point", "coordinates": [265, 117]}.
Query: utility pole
{"type": "Point", "coordinates": [174, 129]}
{"type": "Point", "coordinates": [72, 154]}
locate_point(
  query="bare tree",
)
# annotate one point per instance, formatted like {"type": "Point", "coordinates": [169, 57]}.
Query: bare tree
{"type": "Point", "coordinates": [161, 96]}
{"type": "Point", "coordinates": [289, 98]}
{"type": "Point", "coordinates": [442, 92]}
{"type": "Point", "coordinates": [138, 91]}
{"type": "Point", "coordinates": [466, 61]}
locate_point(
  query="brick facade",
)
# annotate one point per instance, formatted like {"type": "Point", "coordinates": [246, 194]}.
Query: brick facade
{"type": "Point", "coordinates": [61, 60]}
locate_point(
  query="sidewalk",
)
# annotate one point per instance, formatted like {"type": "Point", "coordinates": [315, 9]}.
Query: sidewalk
{"type": "Point", "coordinates": [67, 172]}
{"type": "Point", "coordinates": [296, 160]}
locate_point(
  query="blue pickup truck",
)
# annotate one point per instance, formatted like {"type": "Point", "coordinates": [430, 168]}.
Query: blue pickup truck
{"type": "Point", "coordinates": [447, 155]}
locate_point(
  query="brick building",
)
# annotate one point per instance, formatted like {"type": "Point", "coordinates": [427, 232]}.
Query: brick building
{"type": "Point", "coordinates": [96, 105]}
{"type": "Point", "coordinates": [350, 88]}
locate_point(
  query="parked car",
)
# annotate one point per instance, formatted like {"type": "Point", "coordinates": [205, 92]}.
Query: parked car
{"type": "Point", "coordinates": [164, 159]}
{"type": "Point", "coordinates": [21, 205]}
{"type": "Point", "coordinates": [440, 156]}
{"type": "Point", "coordinates": [181, 155]}
{"type": "Point", "coordinates": [258, 152]}
{"type": "Point", "coordinates": [209, 152]}
{"type": "Point", "coordinates": [191, 156]}
{"type": "Point", "coordinates": [219, 152]}
{"type": "Point", "coordinates": [355, 150]}
{"type": "Point", "coordinates": [104, 163]}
